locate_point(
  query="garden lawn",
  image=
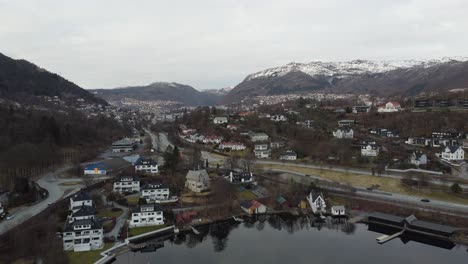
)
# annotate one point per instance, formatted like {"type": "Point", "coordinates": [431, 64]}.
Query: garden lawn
{"type": "Point", "coordinates": [109, 213]}
{"type": "Point", "coordinates": [135, 231]}
{"type": "Point", "coordinates": [86, 256]}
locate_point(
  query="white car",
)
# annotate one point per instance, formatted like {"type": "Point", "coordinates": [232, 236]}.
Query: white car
{"type": "Point", "coordinates": [10, 217]}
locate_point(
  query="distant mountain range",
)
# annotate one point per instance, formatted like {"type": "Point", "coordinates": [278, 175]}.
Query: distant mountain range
{"type": "Point", "coordinates": [23, 81]}
{"type": "Point", "coordinates": [381, 78]}
{"type": "Point", "coordinates": [161, 91]}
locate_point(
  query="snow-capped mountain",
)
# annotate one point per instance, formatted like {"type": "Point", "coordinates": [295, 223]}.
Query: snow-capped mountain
{"type": "Point", "coordinates": [343, 69]}
{"type": "Point", "coordinates": [382, 78]}
{"type": "Point", "coordinates": [222, 91]}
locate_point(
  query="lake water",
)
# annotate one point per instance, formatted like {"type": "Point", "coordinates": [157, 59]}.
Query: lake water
{"type": "Point", "coordinates": [286, 240]}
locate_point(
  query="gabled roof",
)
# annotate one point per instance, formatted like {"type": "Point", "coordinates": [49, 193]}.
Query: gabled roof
{"type": "Point", "coordinates": [316, 195]}
{"type": "Point", "coordinates": [121, 178]}
{"type": "Point", "coordinates": [153, 207]}
{"type": "Point", "coordinates": [197, 175]}
{"type": "Point", "coordinates": [453, 149]}
{"type": "Point", "coordinates": [155, 186]}
{"type": "Point", "coordinates": [146, 161]}
{"type": "Point", "coordinates": [81, 196]}
{"type": "Point", "coordinates": [95, 224]}
{"type": "Point", "coordinates": [98, 165]}
{"type": "Point", "coordinates": [85, 210]}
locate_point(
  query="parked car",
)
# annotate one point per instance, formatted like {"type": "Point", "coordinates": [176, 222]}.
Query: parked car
{"type": "Point", "coordinates": [10, 217]}
{"type": "Point", "coordinates": [425, 200]}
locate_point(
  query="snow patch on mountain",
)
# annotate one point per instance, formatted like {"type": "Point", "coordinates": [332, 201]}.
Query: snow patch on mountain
{"type": "Point", "coordinates": [355, 67]}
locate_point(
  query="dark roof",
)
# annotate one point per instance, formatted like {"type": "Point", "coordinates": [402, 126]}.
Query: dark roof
{"type": "Point", "coordinates": [315, 195]}
{"type": "Point", "coordinates": [246, 204]}
{"type": "Point", "coordinates": [134, 178]}
{"type": "Point", "coordinates": [84, 211]}
{"type": "Point", "coordinates": [155, 207]}
{"type": "Point", "coordinates": [95, 224]}
{"type": "Point", "coordinates": [81, 196]}
{"type": "Point", "coordinates": [433, 226]}
{"type": "Point", "coordinates": [145, 161]}
{"type": "Point", "coordinates": [389, 217]}
{"type": "Point", "coordinates": [289, 153]}
{"type": "Point", "coordinates": [453, 149]}
{"type": "Point", "coordinates": [151, 186]}
{"type": "Point", "coordinates": [98, 165]}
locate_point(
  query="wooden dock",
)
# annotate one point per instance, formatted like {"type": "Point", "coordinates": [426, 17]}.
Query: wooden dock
{"type": "Point", "coordinates": [385, 238]}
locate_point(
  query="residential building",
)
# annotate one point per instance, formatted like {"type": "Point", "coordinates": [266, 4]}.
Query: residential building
{"type": "Point", "coordinates": [338, 210]}
{"type": "Point", "coordinates": [95, 169]}
{"type": "Point", "coordinates": [231, 146]}
{"type": "Point", "coordinates": [361, 109]}
{"type": "Point", "coordinates": [83, 235]}
{"type": "Point", "coordinates": [146, 165]}
{"type": "Point", "coordinates": [239, 177]}
{"type": "Point", "coordinates": [370, 150]}
{"type": "Point", "coordinates": [453, 153]}
{"type": "Point", "coordinates": [220, 120]}
{"type": "Point", "coordinates": [258, 137]}
{"type": "Point", "coordinates": [127, 184]}
{"type": "Point", "coordinates": [253, 207]}
{"type": "Point", "coordinates": [418, 141]}
{"type": "Point", "coordinates": [316, 201]}
{"type": "Point", "coordinates": [418, 158]}
{"type": "Point", "coordinates": [155, 192]}
{"type": "Point", "coordinates": [345, 133]}
{"type": "Point", "coordinates": [288, 155]}
{"type": "Point", "coordinates": [231, 127]}
{"type": "Point", "coordinates": [82, 213]}
{"type": "Point", "coordinates": [80, 199]}
{"type": "Point", "coordinates": [124, 145]}
{"type": "Point", "coordinates": [262, 154]}
{"type": "Point", "coordinates": [278, 118]}
{"type": "Point", "coordinates": [260, 146]}
{"type": "Point", "coordinates": [389, 107]}
{"type": "Point", "coordinates": [147, 215]}
{"type": "Point", "coordinates": [277, 144]}
{"type": "Point", "coordinates": [197, 181]}
{"type": "Point", "coordinates": [212, 139]}
{"type": "Point", "coordinates": [346, 123]}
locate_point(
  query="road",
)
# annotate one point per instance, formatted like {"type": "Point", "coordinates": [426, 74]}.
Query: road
{"type": "Point", "coordinates": [52, 183]}
{"type": "Point", "coordinates": [120, 221]}
{"type": "Point", "coordinates": [160, 143]}
{"type": "Point", "coordinates": [388, 196]}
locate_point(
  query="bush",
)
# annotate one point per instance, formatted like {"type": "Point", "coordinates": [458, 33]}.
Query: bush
{"type": "Point", "coordinates": [455, 188]}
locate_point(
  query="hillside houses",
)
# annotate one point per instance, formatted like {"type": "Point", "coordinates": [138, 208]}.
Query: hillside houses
{"type": "Point", "coordinates": [155, 192]}
{"type": "Point", "coordinates": [389, 107]}
{"type": "Point", "coordinates": [127, 184]}
{"type": "Point", "coordinates": [344, 133]}
{"type": "Point", "coordinates": [278, 118]}
{"type": "Point", "coordinates": [220, 120]}
{"type": "Point", "coordinates": [258, 137]}
{"type": "Point", "coordinates": [418, 158]}
{"type": "Point", "coordinates": [288, 155]}
{"type": "Point", "coordinates": [147, 215]}
{"type": "Point", "coordinates": [146, 165]}
{"type": "Point", "coordinates": [262, 151]}
{"type": "Point", "coordinates": [124, 145]}
{"type": "Point", "coordinates": [370, 150]}
{"type": "Point", "coordinates": [452, 153]}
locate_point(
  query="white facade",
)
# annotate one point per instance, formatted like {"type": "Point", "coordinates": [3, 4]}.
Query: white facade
{"type": "Point", "coordinates": [343, 133]}
{"type": "Point", "coordinates": [338, 210]}
{"type": "Point", "coordinates": [197, 181]}
{"type": "Point", "coordinates": [316, 202]}
{"type": "Point", "coordinates": [278, 118]}
{"type": "Point", "coordinates": [261, 146]}
{"type": "Point", "coordinates": [147, 215]}
{"type": "Point", "coordinates": [257, 137]}
{"type": "Point", "coordinates": [155, 192]}
{"type": "Point", "coordinates": [220, 120]}
{"type": "Point", "coordinates": [262, 154]}
{"type": "Point", "coordinates": [418, 158]}
{"type": "Point", "coordinates": [146, 165]}
{"type": "Point", "coordinates": [83, 235]}
{"type": "Point", "coordinates": [127, 184]}
{"type": "Point", "coordinates": [453, 153]}
{"type": "Point", "coordinates": [370, 151]}
{"type": "Point", "coordinates": [231, 146]}
{"type": "Point", "coordinates": [80, 199]}
{"type": "Point", "coordinates": [288, 155]}
{"type": "Point", "coordinates": [389, 107]}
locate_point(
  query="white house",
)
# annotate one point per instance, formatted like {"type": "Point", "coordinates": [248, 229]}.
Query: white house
{"type": "Point", "coordinates": [288, 155]}
{"type": "Point", "coordinates": [262, 154]}
{"type": "Point", "coordinates": [389, 107]}
{"type": "Point", "coordinates": [361, 109]}
{"type": "Point", "coordinates": [370, 150]}
{"type": "Point", "coordinates": [124, 184]}
{"type": "Point", "coordinates": [418, 158]}
{"type": "Point", "coordinates": [147, 215]}
{"type": "Point", "coordinates": [83, 213]}
{"type": "Point", "coordinates": [212, 139]}
{"type": "Point", "coordinates": [316, 202]}
{"type": "Point", "coordinates": [197, 180]}
{"type": "Point", "coordinates": [220, 120]}
{"type": "Point", "coordinates": [146, 165]}
{"type": "Point", "coordinates": [231, 146]}
{"type": "Point", "coordinates": [346, 122]}
{"type": "Point", "coordinates": [80, 199]}
{"type": "Point", "coordinates": [343, 133]}
{"type": "Point", "coordinates": [260, 146]}
{"type": "Point", "coordinates": [83, 235]}
{"type": "Point", "coordinates": [155, 192]}
{"type": "Point", "coordinates": [95, 169]}
{"type": "Point", "coordinates": [231, 127]}
{"type": "Point", "coordinates": [453, 153]}
{"type": "Point", "coordinates": [239, 177]}
{"type": "Point", "coordinates": [278, 118]}
{"type": "Point", "coordinates": [338, 210]}
{"type": "Point", "coordinates": [257, 137]}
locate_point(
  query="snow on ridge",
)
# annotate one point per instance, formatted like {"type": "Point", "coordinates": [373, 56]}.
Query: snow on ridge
{"type": "Point", "coordinates": [342, 69]}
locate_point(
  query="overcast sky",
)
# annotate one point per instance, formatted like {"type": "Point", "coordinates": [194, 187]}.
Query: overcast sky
{"type": "Point", "coordinates": [216, 43]}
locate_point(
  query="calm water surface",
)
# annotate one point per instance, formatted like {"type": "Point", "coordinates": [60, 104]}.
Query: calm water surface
{"type": "Point", "coordinates": [281, 239]}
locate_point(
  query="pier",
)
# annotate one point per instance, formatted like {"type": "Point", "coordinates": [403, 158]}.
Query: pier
{"type": "Point", "coordinates": [385, 238]}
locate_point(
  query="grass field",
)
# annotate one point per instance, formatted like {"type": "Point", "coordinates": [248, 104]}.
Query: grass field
{"type": "Point", "coordinates": [135, 231]}
{"type": "Point", "coordinates": [362, 180]}
{"type": "Point", "coordinates": [246, 195]}
{"type": "Point", "coordinates": [109, 213]}
{"type": "Point", "coordinates": [86, 256]}
{"type": "Point", "coordinates": [133, 200]}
